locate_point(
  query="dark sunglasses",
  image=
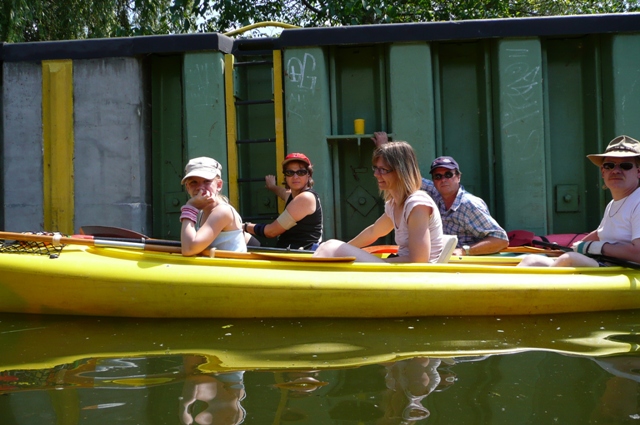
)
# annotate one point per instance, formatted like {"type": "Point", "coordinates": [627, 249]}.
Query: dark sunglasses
{"type": "Point", "coordinates": [626, 166]}
{"type": "Point", "coordinates": [379, 170]}
{"type": "Point", "coordinates": [301, 172]}
{"type": "Point", "coordinates": [446, 175]}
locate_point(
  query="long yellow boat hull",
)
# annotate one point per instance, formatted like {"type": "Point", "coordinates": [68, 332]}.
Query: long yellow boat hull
{"type": "Point", "coordinates": [129, 283]}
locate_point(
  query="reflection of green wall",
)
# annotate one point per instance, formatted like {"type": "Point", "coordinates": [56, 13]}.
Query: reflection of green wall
{"type": "Point", "coordinates": [530, 387]}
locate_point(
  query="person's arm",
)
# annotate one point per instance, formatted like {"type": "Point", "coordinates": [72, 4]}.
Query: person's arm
{"type": "Point", "coordinates": [488, 245]}
{"type": "Point", "coordinates": [194, 242]}
{"type": "Point", "coordinates": [419, 236]}
{"type": "Point", "coordinates": [593, 236]}
{"type": "Point", "coordinates": [623, 250]}
{"type": "Point", "coordinates": [280, 191]}
{"type": "Point", "coordinates": [301, 206]}
{"type": "Point", "coordinates": [479, 223]}
{"type": "Point", "coordinates": [382, 227]}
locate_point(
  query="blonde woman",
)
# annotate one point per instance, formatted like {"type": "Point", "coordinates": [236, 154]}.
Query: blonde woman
{"type": "Point", "coordinates": [208, 220]}
{"type": "Point", "coordinates": [408, 210]}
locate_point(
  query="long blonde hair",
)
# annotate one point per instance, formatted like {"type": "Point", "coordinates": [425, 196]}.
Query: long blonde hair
{"type": "Point", "coordinates": [402, 159]}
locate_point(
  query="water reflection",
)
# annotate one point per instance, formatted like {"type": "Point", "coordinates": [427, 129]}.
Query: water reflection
{"type": "Point", "coordinates": [572, 369]}
{"type": "Point", "coordinates": [220, 396]}
{"type": "Point", "coordinates": [408, 383]}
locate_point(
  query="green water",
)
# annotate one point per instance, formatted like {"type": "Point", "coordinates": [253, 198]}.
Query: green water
{"type": "Point", "coordinates": [562, 369]}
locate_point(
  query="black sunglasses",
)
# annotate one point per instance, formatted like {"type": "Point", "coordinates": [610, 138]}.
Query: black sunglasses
{"type": "Point", "coordinates": [446, 175]}
{"type": "Point", "coordinates": [626, 166]}
{"type": "Point", "coordinates": [301, 172]}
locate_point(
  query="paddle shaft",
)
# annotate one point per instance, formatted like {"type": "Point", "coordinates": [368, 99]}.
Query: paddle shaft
{"type": "Point", "coordinates": [163, 245]}
{"type": "Point", "coordinates": [167, 242]}
{"type": "Point", "coordinates": [605, 258]}
{"type": "Point", "coordinates": [142, 244]}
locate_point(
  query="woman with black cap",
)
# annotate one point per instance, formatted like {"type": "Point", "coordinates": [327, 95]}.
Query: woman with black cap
{"type": "Point", "coordinates": [300, 224]}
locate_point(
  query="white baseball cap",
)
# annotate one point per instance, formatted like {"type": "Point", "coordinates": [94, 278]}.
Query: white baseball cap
{"type": "Point", "coordinates": [205, 167]}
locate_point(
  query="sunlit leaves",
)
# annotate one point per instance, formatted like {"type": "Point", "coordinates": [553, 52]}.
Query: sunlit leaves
{"type": "Point", "coordinates": [35, 20]}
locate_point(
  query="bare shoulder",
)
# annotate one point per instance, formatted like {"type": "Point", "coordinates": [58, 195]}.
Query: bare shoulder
{"type": "Point", "coordinates": [304, 198]}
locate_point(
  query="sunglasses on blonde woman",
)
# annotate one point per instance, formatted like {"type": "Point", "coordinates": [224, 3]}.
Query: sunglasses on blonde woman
{"type": "Point", "coordinates": [626, 166]}
{"type": "Point", "coordinates": [301, 173]}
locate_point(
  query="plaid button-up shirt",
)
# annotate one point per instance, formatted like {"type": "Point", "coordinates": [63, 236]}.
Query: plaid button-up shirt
{"type": "Point", "coordinates": [468, 218]}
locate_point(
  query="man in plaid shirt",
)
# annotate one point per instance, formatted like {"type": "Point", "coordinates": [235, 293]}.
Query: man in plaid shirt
{"type": "Point", "coordinates": [463, 214]}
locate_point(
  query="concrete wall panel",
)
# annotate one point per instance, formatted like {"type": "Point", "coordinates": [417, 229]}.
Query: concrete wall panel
{"type": "Point", "coordinates": [22, 158]}
{"type": "Point", "coordinates": [112, 159]}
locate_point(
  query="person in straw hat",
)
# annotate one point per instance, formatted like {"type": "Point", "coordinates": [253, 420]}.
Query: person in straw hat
{"type": "Point", "coordinates": [208, 220]}
{"type": "Point", "coordinates": [618, 234]}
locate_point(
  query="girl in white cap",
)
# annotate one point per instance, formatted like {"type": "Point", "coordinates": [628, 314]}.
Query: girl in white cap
{"type": "Point", "coordinates": [208, 220]}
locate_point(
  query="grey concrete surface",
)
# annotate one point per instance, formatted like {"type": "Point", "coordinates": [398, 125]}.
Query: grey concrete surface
{"type": "Point", "coordinates": [112, 144]}
{"type": "Point", "coordinates": [22, 150]}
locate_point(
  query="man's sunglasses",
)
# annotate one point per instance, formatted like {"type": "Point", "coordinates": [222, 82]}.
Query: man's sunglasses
{"type": "Point", "coordinates": [446, 175]}
{"type": "Point", "coordinates": [626, 166]}
{"type": "Point", "coordinates": [301, 172]}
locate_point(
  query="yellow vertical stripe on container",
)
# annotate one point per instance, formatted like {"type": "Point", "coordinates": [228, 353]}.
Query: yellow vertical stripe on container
{"type": "Point", "coordinates": [232, 132]}
{"type": "Point", "coordinates": [279, 117]}
{"type": "Point", "coordinates": [57, 130]}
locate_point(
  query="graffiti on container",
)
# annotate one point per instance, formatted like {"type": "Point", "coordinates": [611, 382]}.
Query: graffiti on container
{"type": "Point", "coordinates": [301, 72]}
{"type": "Point", "coordinates": [521, 82]}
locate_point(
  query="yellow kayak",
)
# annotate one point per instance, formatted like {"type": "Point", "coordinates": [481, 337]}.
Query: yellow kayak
{"type": "Point", "coordinates": [85, 280]}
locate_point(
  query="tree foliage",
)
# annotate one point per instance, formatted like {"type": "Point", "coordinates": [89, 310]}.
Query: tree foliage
{"type": "Point", "coordinates": [39, 20]}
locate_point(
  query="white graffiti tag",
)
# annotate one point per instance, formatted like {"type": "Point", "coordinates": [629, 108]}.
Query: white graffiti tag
{"type": "Point", "coordinates": [301, 71]}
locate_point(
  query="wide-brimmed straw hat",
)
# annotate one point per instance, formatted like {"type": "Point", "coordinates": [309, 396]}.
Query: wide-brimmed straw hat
{"type": "Point", "coordinates": [620, 147]}
{"type": "Point", "coordinates": [205, 167]}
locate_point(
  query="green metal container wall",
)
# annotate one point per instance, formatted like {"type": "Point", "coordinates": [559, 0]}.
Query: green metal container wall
{"type": "Point", "coordinates": [256, 123]}
{"type": "Point", "coordinates": [358, 87]}
{"type": "Point", "coordinates": [188, 121]}
{"type": "Point", "coordinates": [462, 106]}
{"type": "Point", "coordinates": [307, 96]}
{"type": "Point", "coordinates": [166, 145]}
{"type": "Point", "coordinates": [410, 90]}
{"type": "Point", "coordinates": [519, 115]}
{"type": "Point", "coordinates": [574, 121]}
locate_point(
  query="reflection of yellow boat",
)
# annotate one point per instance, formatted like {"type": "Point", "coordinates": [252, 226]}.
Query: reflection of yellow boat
{"type": "Point", "coordinates": [40, 342]}
{"type": "Point", "coordinates": [119, 282]}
